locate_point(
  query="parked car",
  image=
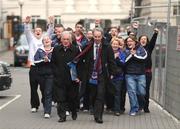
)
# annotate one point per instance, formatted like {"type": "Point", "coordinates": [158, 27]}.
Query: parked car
{"type": "Point", "coordinates": [21, 51]}
{"type": "Point", "coordinates": [5, 76]}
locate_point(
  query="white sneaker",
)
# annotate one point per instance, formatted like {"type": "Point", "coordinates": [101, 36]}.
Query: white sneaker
{"type": "Point", "coordinates": [33, 110]}
{"type": "Point", "coordinates": [132, 114]}
{"type": "Point", "coordinates": [67, 113]}
{"type": "Point", "coordinates": [53, 103]}
{"type": "Point", "coordinates": [85, 110]}
{"type": "Point", "coordinates": [46, 115]}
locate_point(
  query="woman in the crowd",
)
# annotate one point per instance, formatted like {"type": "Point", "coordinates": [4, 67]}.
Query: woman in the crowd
{"type": "Point", "coordinates": [109, 96]}
{"type": "Point", "coordinates": [123, 91]}
{"type": "Point", "coordinates": [42, 59]}
{"type": "Point", "coordinates": [149, 46]}
{"type": "Point", "coordinates": [135, 73]}
{"type": "Point", "coordinates": [117, 81]}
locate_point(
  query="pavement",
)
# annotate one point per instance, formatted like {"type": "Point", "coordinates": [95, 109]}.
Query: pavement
{"type": "Point", "coordinates": [17, 115]}
{"type": "Point", "coordinates": [7, 56]}
{"type": "Point", "coordinates": [4, 44]}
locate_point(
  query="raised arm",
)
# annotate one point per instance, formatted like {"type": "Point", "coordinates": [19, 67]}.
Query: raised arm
{"type": "Point", "coordinates": [50, 29]}
{"type": "Point", "coordinates": [27, 29]}
{"type": "Point", "coordinates": [152, 42]}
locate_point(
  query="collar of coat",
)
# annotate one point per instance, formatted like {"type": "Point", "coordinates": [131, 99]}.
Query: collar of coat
{"type": "Point", "coordinates": [67, 48]}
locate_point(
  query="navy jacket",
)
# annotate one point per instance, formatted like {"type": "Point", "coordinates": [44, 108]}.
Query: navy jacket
{"type": "Point", "coordinates": [120, 61]}
{"type": "Point", "coordinates": [44, 68]}
{"type": "Point", "coordinates": [55, 40]}
{"type": "Point", "coordinates": [135, 64]}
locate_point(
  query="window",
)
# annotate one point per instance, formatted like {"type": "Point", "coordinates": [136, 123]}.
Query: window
{"type": "Point", "coordinates": [176, 9]}
{"type": "Point", "coordinates": [34, 19]}
{"type": "Point", "coordinates": [57, 19]}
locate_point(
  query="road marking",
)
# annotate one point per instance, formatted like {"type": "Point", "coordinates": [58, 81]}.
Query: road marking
{"type": "Point", "coordinates": [4, 105]}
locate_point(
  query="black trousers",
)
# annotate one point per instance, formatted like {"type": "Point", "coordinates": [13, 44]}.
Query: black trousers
{"type": "Point", "coordinates": [148, 84]}
{"type": "Point", "coordinates": [144, 100]}
{"type": "Point", "coordinates": [97, 94]}
{"type": "Point", "coordinates": [109, 99]}
{"type": "Point", "coordinates": [68, 97]}
{"type": "Point", "coordinates": [86, 99]}
{"type": "Point", "coordinates": [123, 96]}
{"type": "Point", "coordinates": [35, 80]}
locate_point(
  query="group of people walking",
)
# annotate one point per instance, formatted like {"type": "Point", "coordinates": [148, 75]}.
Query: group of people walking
{"type": "Point", "coordinates": [94, 69]}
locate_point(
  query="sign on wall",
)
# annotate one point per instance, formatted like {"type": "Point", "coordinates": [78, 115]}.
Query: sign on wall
{"type": "Point", "coordinates": [178, 39]}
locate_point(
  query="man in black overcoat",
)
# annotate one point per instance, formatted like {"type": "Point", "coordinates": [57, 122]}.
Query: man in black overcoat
{"type": "Point", "coordinates": [65, 90]}
{"type": "Point", "coordinates": [99, 65]}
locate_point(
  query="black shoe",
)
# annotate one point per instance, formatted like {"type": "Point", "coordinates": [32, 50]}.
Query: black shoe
{"type": "Point", "coordinates": [74, 116]}
{"type": "Point", "coordinates": [146, 111]}
{"type": "Point", "coordinates": [84, 108]}
{"type": "Point", "coordinates": [98, 120]}
{"type": "Point", "coordinates": [122, 111]}
{"type": "Point", "coordinates": [62, 120]}
{"type": "Point", "coordinates": [116, 113]}
{"type": "Point", "coordinates": [109, 110]}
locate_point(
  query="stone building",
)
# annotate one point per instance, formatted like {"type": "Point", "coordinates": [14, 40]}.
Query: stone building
{"type": "Point", "coordinates": [68, 12]}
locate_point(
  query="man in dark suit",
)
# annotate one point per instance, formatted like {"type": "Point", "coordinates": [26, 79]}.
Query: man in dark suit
{"type": "Point", "coordinates": [99, 64]}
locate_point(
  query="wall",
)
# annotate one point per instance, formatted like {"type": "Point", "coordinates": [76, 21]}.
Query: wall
{"type": "Point", "coordinates": [106, 9]}
{"type": "Point", "coordinates": [158, 13]}
{"type": "Point", "coordinates": [172, 94]}
{"type": "Point", "coordinates": [165, 86]}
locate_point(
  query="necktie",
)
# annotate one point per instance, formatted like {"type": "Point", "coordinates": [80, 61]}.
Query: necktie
{"type": "Point", "coordinates": [96, 49]}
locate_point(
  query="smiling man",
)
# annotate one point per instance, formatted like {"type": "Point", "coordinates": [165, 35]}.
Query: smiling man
{"type": "Point", "coordinates": [34, 42]}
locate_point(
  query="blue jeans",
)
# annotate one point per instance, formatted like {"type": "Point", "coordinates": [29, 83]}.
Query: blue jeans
{"type": "Point", "coordinates": [117, 96]}
{"type": "Point", "coordinates": [136, 85]}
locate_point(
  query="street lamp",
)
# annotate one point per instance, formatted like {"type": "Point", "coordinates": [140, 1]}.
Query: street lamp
{"type": "Point", "coordinates": [21, 3]}
{"type": "Point", "coordinates": [132, 10]}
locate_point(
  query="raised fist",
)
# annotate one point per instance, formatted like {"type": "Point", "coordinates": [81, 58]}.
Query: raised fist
{"type": "Point", "coordinates": [51, 19]}
{"type": "Point", "coordinates": [27, 20]}
{"type": "Point", "coordinates": [156, 30]}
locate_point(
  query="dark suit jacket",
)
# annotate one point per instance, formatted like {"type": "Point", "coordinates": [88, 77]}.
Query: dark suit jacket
{"type": "Point", "coordinates": [108, 65]}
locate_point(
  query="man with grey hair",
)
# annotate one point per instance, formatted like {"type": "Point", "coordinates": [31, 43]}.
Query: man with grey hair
{"type": "Point", "coordinates": [99, 65]}
{"type": "Point", "coordinates": [66, 90]}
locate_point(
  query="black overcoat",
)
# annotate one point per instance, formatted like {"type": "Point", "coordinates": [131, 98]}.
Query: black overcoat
{"type": "Point", "coordinates": [61, 71]}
